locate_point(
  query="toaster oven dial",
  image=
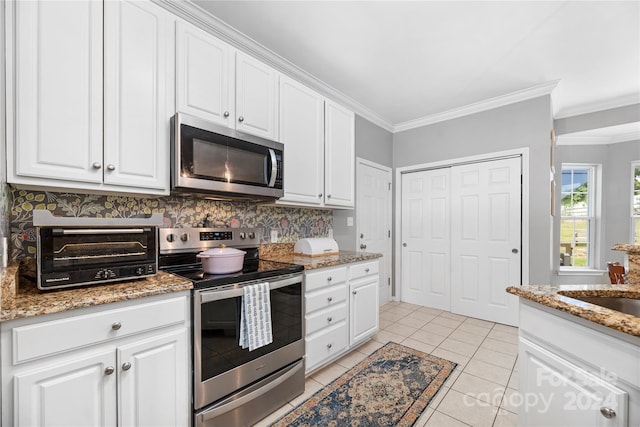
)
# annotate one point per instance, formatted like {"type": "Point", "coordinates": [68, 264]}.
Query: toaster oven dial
{"type": "Point", "coordinates": [105, 274]}
{"type": "Point", "coordinates": [171, 237]}
{"type": "Point", "coordinates": [184, 237]}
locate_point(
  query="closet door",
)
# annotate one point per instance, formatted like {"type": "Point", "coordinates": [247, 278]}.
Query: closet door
{"type": "Point", "coordinates": [486, 239]}
{"type": "Point", "coordinates": [426, 238]}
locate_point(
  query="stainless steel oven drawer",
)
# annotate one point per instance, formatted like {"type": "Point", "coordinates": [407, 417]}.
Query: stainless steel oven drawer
{"type": "Point", "coordinates": [255, 402]}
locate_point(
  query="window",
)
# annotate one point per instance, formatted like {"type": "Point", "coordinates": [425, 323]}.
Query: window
{"type": "Point", "coordinates": [635, 204]}
{"type": "Point", "coordinates": [578, 216]}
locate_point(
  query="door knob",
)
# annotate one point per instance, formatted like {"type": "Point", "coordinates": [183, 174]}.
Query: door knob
{"type": "Point", "coordinates": [116, 326]}
{"type": "Point", "coordinates": [241, 119]}
{"type": "Point", "coordinates": [97, 165]}
{"type": "Point", "coordinates": [607, 412]}
{"type": "Point", "coordinates": [126, 366]}
{"type": "Point", "coordinates": [111, 167]}
{"type": "Point", "coordinates": [363, 246]}
{"type": "Point", "coordinates": [226, 114]}
{"type": "Point", "coordinates": [109, 370]}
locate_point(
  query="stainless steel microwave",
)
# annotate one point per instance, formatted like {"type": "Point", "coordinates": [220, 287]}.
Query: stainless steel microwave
{"type": "Point", "coordinates": [213, 159]}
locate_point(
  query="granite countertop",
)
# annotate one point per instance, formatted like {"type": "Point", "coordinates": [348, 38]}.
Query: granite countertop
{"type": "Point", "coordinates": [283, 252]}
{"type": "Point", "coordinates": [21, 298]}
{"type": "Point", "coordinates": [560, 298]}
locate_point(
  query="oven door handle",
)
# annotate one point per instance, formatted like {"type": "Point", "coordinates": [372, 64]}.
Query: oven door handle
{"type": "Point", "coordinates": [102, 231]}
{"type": "Point", "coordinates": [216, 295]}
{"type": "Point", "coordinates": [224, 408]}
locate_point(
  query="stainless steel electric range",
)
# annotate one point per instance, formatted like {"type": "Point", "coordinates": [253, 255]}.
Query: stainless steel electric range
{"type": "Point", "coordinates": [233, 386]}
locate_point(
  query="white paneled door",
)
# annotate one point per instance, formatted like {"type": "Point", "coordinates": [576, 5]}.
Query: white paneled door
{"type": "Point", "coordinates": [426, 238]}
{"type": "Point", "coordinates": [374, 218]}
{"type": "Point", "coordinates": [461, 238]}
{"type": "Point", "coordinates": [485, 239]}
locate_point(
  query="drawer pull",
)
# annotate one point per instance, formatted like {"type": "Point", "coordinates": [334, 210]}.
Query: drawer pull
{"type": "Point", "coordinates": [355, 292]}
{"type": "Point", "coordinates": [607, 412]}
{"type": "Point", "coordinates": [329, 279]}
{"type": "Point", "coordinates": [109, 370]}
{"type": "Point", "coordinates": [366, 270]}
{"type": "Point", "coordinates": [329, 319]}
{"type": "Point", "coordinates": [116, 326]}
{"type": "Point", "coordinates": [329, 346]}
{"type": "Point", "coordinates": [126, 366]}
{"type": "Point", "coordinates": [330, 299]}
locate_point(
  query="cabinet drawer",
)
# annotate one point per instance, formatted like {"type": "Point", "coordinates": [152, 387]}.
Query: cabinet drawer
{"type": "Point", "coordinates": [326, 318]}
{"type": "Point", "coordinates": [326, 344]}
{"type": "Point", "coordinates": [319, 279]}
{"type": "Point", "coordinates": [363, 270]}
{"type": "Point", "coordinates": [56, 336]}
{"type": "Point", "coordinates": [324, 298]}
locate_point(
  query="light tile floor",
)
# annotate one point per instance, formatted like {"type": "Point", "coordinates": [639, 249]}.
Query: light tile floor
{"type": "Point", "coordinates": [478, 393]}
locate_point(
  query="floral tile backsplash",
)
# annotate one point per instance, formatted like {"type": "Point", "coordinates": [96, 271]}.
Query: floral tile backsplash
{"type": "Point", "coordinates": [291, 223]}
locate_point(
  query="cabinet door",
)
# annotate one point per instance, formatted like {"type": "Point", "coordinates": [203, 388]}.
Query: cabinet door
{"type": "Point", "coordinates": [559, 393]}
{"type": "Point", "coordinates": [205, 75]}
{"type": "Point", "coordinates": [79, 392]}
{"type": "Point", "coordinates": [154, 381]}
{"type": "Point", "coordinates": [363, 309]}
{"type": "Point", "coordinates": [138, 78]}
{"type": "Point", "coordinates": [302, 133]}
{"type": "Point", "coordinates": [56, 125]}
{"type": "Point", "coordinates": [339, 158]}
{"type": "Point", "coordinates": [256, 97]}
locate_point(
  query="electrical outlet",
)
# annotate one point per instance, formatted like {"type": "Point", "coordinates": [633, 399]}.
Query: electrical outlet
{"type": "Point", "coordinates": [349, 221]}
{"type": "Point", "coordinates": [274, 236]}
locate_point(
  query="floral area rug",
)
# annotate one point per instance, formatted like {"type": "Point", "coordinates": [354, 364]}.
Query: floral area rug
{"type": "Point", "coordinates": [391, 387]}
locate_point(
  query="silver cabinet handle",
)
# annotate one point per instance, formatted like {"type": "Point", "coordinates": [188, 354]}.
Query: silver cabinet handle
{"type": "Point", "coordinates": [109, 370]}
{"type": "Point", "coordinates": [241, 119]}
{"type": "Point", "coordinates": [355, 292]}
{"type": "Point", "coordinates": [328, 196]}
{"type": "Point", "coordinates": [607, 412]}
{"type": "Point", "coordinates": [329, 279]}
{"type": "Point", "coordinates": [320, 195]}
{"type": "Point", "coordinates": [363, 246]}
{"type": "Point", "coordinates": [330, 299]}
{"type": "Point", "coordinates": [126, 366]}
{"type": "Point", "coordinates": [404, 245]}
{"type": "Point", "coordinates": [366, 270]}
{"type": "Point", "coordinates": [111, 167]}
{"type": "Point", "coordinates": [225, 114]}
{"type": "Point", "coordinates": [97, 165]}
{"type": "Point", "coordinates": [514, 250]}
{"type": "Point", "coordinates": [329, 319]}
{"type": "Point", "coordinates": [116, 326]}
{"type": "Point", "coordinates": [329, 346]}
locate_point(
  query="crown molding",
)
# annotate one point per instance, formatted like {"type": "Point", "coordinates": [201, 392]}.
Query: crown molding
{"type": "Point", "coordinates": [477, 107]}
{"type": "Point", "coordinates": [225, 32]}
{"type": "Point", "coordinates": [597, 140]}
{"type": "Point", "coordinates": [594, 107]}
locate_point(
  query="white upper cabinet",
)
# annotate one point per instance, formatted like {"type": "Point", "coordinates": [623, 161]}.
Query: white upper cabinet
{"type": "Point", "coordinates": [63, 54]}
{"type": "Point", "coordinates": [55, 124]}
{"type": "Point", "coordinates": [138, 67]}
{"type": "Point", "coordinates": [256, 97]}
{"type": "Point", "coordinates": [339, 163]}
{"type": "Point", "coordinates": [205, 68]}
{"type": "Point", "coordinates": [302, 133]}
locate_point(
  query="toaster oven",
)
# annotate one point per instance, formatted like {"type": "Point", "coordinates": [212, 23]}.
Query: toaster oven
{"type": "Point", "coordinates": [88, 251]}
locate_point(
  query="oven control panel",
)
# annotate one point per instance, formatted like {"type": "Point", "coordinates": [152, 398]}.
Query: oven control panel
{"type": "Point", "coordinates": [175, 240]}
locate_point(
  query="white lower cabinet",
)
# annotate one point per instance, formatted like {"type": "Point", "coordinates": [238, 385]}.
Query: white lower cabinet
{"type": "Point", "coordinates": [341, 310]}
{"type": "Point", "coordinates": [138, 378]}
{"type": "Point", "coordinates": [573, 372]}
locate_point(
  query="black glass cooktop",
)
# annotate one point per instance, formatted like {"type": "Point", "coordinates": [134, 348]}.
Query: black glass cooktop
{"type": "Point", "coordinates": [187, 266]}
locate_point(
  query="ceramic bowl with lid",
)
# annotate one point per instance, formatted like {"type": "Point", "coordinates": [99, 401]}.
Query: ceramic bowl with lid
{"type": "Point", "coordinates": [222, 260]}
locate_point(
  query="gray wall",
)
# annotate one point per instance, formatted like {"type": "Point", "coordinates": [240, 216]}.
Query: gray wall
{"type": "Point", "coordinates": [524, 124]}
{"type": "Point", "coordinates": [373, 143]}
{"type": "Point", "coordinates": [615, 223]}
{"type": "Point", "coordinates": [598, 119]}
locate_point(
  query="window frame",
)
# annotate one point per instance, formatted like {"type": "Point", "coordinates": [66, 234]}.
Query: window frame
{"type": "Point", "coordinates": [632, 237]}
{"type": "Point", "coordinates": [594, 205]}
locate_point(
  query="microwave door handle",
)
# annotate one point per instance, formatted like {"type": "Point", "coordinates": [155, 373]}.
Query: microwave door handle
{"type": "Point", "coordinates": [274, 167]}
{"type": "Point", "coordinates": [103, 231]}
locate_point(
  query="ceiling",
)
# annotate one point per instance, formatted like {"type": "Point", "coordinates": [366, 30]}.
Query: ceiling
{"type": "Point", "coordinates": [405, 61]}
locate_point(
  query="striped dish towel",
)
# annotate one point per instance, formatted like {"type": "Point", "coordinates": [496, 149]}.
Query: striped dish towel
{"type": "Point", "coordinates": [255, 317]}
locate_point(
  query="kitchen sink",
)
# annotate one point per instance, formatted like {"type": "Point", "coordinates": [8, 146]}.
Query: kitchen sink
{"type": "Point", "coordinates": [624, 305]}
